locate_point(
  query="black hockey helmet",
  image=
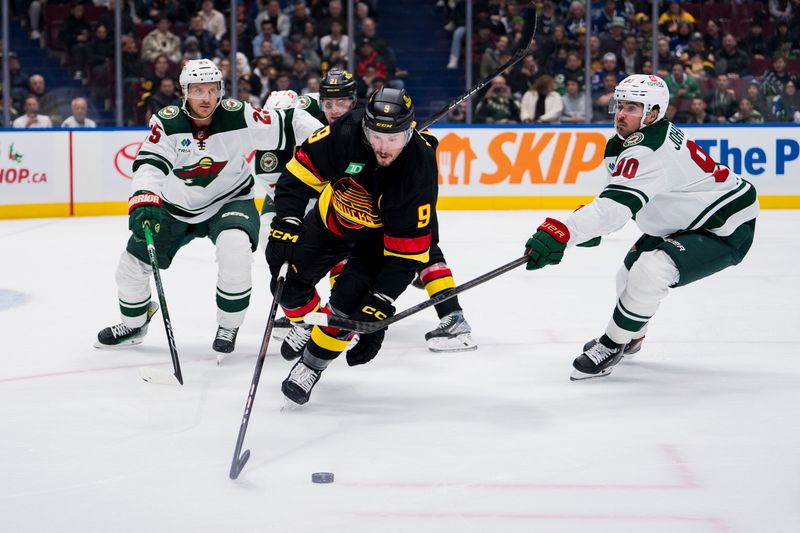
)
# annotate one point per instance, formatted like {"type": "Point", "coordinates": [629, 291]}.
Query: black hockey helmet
{"type": "Point", "coordinates": [389, 111]}
{"type": "Point", "coordinates": [337, 83]}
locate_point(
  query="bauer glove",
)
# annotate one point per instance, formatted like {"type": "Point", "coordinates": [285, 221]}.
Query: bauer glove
{"type": "Point", "coordinates": [285, 241]}
{"type": "Point", "coordinates": [144, 206]}
{"type": "Point", "coordinates": [546, 246]}
{"type": "Point", "coordinates": [373, 307]}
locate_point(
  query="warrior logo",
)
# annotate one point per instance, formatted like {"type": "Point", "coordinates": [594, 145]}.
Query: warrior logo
{"type": "Point", "coordinates": [200, 174]}
{"type": "Point", "coordinates": [353, 205]}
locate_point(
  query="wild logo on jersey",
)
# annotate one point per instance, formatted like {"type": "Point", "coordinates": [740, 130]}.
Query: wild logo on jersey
{"type": "Point", "coordinates": [353, 205]}
{"type": "Point", "coordinates": [201, 173]}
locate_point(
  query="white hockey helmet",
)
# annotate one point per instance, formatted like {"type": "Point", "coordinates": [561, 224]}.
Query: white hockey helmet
{"type": "Point", "coordinates": [646, 89]}
{"type": "Point", "coordinates": [281, 100]}
{"type": "Point", "coordinates": [200, 71]}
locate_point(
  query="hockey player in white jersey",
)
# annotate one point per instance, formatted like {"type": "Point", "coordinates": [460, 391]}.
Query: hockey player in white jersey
{"type": "Point", "coordinates": [697, 216]}
{"type": "Point", "coordinates": [192, 180]}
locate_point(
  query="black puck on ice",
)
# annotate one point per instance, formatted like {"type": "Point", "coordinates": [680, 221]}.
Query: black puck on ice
{"type": "Point", "coordinates": [322, 477]}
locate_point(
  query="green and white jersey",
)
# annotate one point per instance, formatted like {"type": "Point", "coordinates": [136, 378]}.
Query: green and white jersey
{"type": "Point", "coordinates": [310, 103]}
{"type": "Point", "coordinates": [196, 171]}
{"type": "Point", "coordinates": [269, 164]}
{"type": "Point", "coordinates": [667, 183]}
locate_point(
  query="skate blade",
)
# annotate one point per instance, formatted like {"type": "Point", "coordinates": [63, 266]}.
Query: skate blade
{"type": "Point", "coordinates": [577, 375]}
{"type": "Point", "coordinates": [158, 376]}
{"type": "Point", "coordinates": [289, 406]}
{"type": "Point", "coordinates": [125, 344]}
{"type": "Point", "coordinates": [459, 343]}
{"type": "Point", "coordinates": [221, 357]}
{"type": "Point", "coordinates": [280, 333]}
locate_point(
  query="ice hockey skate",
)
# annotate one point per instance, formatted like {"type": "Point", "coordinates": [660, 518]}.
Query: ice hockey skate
{"type": "Point", "coordinates": [597, 361]}
{"type": "Point", "coordinates": [225, 342]}
{"type": "Point", "coordinates": [630, 351]}
{"type": "Point", "coordinates": [453, 334]}
{"type": "Point", "coordinates": [281, 328]}
{"type": "Point", "coordinates": [298, 384]}
{"type": "Point", "coordinates": [295, 341]}
{"type": "Point", "coordinates": [121, 336]}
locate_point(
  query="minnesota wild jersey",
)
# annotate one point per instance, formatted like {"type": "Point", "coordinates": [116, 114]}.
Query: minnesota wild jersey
{"type": "Point", "coordinates": [310, 103]}
{"type": "Point", "coordinates": [668, 184]}
{"type": "Point", "coordinates": [196, 171]}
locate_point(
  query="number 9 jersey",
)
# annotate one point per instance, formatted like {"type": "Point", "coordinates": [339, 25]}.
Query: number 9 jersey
{"type": "Point", "coordinates": [667, 183]}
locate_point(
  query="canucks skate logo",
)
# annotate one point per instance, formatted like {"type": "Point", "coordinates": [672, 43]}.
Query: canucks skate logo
{"type": "Point", "coordinates": [201, 173]}
{"type": "Point", "coordinates": [353, 205]}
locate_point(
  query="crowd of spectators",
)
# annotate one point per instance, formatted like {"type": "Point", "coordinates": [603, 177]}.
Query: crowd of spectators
{"type": "Point", "coordinates": [287, 44]}
{"type": "Point", "coordinates": [730, 61]}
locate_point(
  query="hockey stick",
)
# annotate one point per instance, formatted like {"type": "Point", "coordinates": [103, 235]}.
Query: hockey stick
{"type": "Point", "coordinates": [323, 319]}
{"type": "Point", "coordinates": [240, 459]}
{"type": "Point", "coordinates": [527, 37]}
{"type": "Point", "coordinates": [157, 375]}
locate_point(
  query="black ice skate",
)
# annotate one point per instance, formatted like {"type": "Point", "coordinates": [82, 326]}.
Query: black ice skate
{"type": "Point", "coordinates": [598, 360]}
{"type": "Point", "coordinates": [453, 334]}
{"type": "Point", "coordinates": [225, 340]}
{"type": "Point", "coordinates": [120, 336]}
{"type": "Point", "coordinates": [280, 328]}
{"type": "Point", "coordinates": [631, 349]}
{"type": "Point", "coordinates": [297, 386]}
{"type": "Point", "coordinates": [295, 341]}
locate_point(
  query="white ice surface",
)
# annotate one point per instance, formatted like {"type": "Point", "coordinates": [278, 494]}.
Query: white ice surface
{"type": "Point", "coordinates": [699, 433]}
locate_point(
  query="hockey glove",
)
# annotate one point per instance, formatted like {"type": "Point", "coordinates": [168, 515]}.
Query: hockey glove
{"type": "Point", "coordinates": [373, 307]}
{"type": "Point", "coordinates": [546, 246]}
{"type": "Point", "coordinates": [144, 206]}
{"type": "Point", "coordinates": [285, 241]}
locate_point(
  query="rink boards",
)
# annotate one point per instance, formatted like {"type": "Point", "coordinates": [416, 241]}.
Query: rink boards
{"type": "Point", "coordinates": [55, 172]}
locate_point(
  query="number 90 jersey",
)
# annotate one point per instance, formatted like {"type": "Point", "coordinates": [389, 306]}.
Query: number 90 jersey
{"type": "Point", "coordinates": [668, 184]}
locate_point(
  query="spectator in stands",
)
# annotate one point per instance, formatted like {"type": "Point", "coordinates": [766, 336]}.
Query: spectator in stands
{"type": "Point", "coordinates": [630, 55]}
{"type": "Point", "coordinates": [32, 118]}
{"type": "Point", "coordinates": [754, 43]}
{"type": "Point", "coordinates": [268, 34]}
{"type": "Point", "coordinates": [575, 109]}
{"type": "Point", "coordinates": [721, 102]}
{"type": "Point", "coordinates": [670, 20]}
{"type": "Point", "coordinates": [541, 104]}
{"type": "Point", "coordinates": [78, 119]}
{"type": "Point", "coordinates": [680, 42]}
{"type": "Point", "coordinates": [600, 110]}
{"type": "Point", "coordinates": [758, 99]}
{"type": "Point", "coordinates": [612, 41]}
{"type": "Point", "coordinates": [483, 40]}
{"type": "Point", "coordinates": [312, 85]}
{"type": "Point", "coordinates": [603, 22]}
{"type": "Point", "coordinates": [713, 36]}
{"type": "Point", "coordinates": [259, 79]}
{"type": "Point", "coordinates": [456, 25]}
{"type": "Point", "coordinates": [161, 41]}
{"type": "Point", "coordinates": [206, 42]}
{"type": "Point", "coordinates": [134, 72]}
{"type": "Point", "coordinates": [310, 38]}
{"type": "Point", "coordinates": [647, 67]}
{"type": "Point", "coordinates": [35, 19]}
{"type": "Point", "coordinates": [245, 32]}
{"type": "Point", "coordinates": [573, 68]}
{"type": "Point", "coordinates": [75, 33]}
{"type": "Point", "coordinates": [697, 60]}
{"type": "Point", "coordinates": [245, 94]}
{"type": "Point", "coordinates": [698, 114]}
{"type": "Point", "coordinates": [682, 87]}
{"type": "Point", "coordinates": [773, 81]}
{"type": "Point", "coordinates": [491, 57]}
{"type": "Point", "coordinates": [575, 23]}
{"type": "Point", "coordinates": [107, 18]}
{"type": "Point", "coordinates": [224, 52]}
{"type": "Point", "coordinates": [457, 115]}
{"type": "Point", "coordinates": [498, 106]}
{"type": "Point", "coordinates": [335, 45]}
{"type": "Point", "coordinates": [644, 33]}
{"type": "Point", "coordinates": [665, 56]}
{"type": "Point", "coordinates": [368, 56]}
{"type": "Point", "coordinates": [18, 80]}
{"type": "Point", "coordinates": [369, 30]}
{"type": "Point", "coordinates": [213, 20]}
{"type": "Point", "coordinates": [283, 82]}
{"type": "Point", "coordinates": [783, 41]}
{"type": "Point", "coordinates": [335, 12]}
{"type": "Point", "coordinates": [280, 22]}
{"type": "Point", "coordinates": [747, 114]}
{"type": "Point", "coordinates": [191, 48]}
{"type": "Point", "coordinates": [363, 12]}
{"type": "Point", "coordinates": [299, 74]}
{"type": "Point", "coordinates": [786, 106]}
{"type": "Point", "coordinates": [781, 9]}
{"type": "Point", "coordinates": [164, 96]}
{"type": "Point", "coordinates": [523, 75]}
{"type": "Point", "coordinates": [558, 45]}
{"type": "Point", "coordinates": [294, 46]}
{"type": "Point", "coordinates": [609, 67]}
{"type": "Point", "coordinates": [299, 17]}
{"type": "Point", "coordinates": [732, 60]}
{"type": "Point", "coordinates": [47, 101]}
{"type": "Point", "coordinates": [99, 51]}
{"type": "Point", "coordinates": [595, 57]}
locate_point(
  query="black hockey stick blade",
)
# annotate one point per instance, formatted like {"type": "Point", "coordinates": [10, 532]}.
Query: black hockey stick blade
{"type": "Point", "coordinates": [240, 458]}
{"type": "Point", "coordinates": [323, 319]}
{"type": "Point", "coordinates": [527, 37]}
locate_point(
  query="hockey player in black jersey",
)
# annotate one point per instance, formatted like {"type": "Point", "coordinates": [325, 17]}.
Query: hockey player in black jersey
{"type": "Point", "coordinates": [375, 177]}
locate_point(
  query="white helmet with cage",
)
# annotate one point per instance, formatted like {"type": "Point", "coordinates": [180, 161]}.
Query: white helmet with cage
{"type": "Point", "coordinates": [200, 71]}
{"type": "Point", "coordinates": [645, 89]}
{"type": "Point", "coordinates": [281, 100]}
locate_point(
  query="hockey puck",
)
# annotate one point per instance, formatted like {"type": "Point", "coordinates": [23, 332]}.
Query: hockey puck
{"type": "Point", "coordinates": [322, 477]}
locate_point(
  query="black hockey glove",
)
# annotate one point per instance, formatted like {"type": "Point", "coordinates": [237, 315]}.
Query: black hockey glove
{"type": "Point", "coordinates": [285, 240]}
{"type": "Point", "coordinates": [547, 245]}
{"type": "Point", "coordinates": [144, 206]}
{"type": "Point", "coordinates": [373, 307]}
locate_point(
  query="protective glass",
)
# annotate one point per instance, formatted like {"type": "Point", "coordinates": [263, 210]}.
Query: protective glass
{"type": "Point", "coordinates": [337, 104]}
{"type": "Point", "coordinates": [387, 141]}
{"type": "Point", "coordinates": [200, 93]}
{"type": "Point", "coordinates": [629, 108]}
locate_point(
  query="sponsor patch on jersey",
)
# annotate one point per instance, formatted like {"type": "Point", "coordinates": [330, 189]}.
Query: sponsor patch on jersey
{"type": "Point", "coordinates": [268, 162]}
{"type": "Point", "coordinates": [229, 104]}
{"type": "Point", "coordinates": [634, 138]}
{"type": "Point", "coordinates": [354, 168]}
{"type": "Point", "coordinates": [169, 111]}
{"type": "Point", "coordinates": [304, 102]}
